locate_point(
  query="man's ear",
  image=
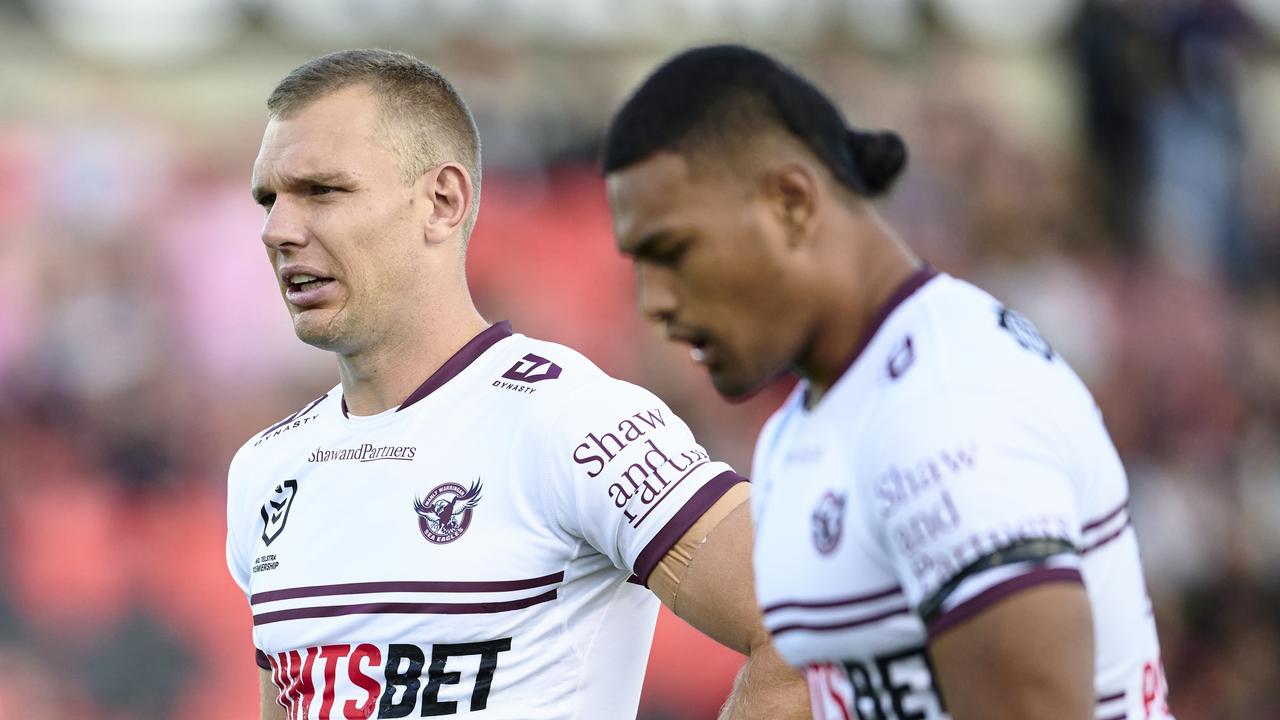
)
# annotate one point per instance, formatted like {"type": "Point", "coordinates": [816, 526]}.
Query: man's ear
{"type": "Point", "coordinates": [791, 190]}
{"type": "Point", "coordinates": [448, 191]}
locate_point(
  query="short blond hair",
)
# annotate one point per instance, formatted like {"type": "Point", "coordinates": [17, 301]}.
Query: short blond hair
{"type": "Point", "coordinates": [426, 121]}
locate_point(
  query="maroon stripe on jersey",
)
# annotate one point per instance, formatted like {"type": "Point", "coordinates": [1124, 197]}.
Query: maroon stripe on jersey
{"type": "Point", "coordinates": [668, 493]}
{"type": "Point", "coordinates": [440, 586]}
{"type": "Point", "coordinates": [1120, 531]}
{"type": "Point", "coordinates": [261, 659]}
{"type": "Point", "coordinates": [459, 361]}
{"type": "Point", "coordinates": [908, 288]}
{"type": "Point", "coordinates": [685, 517]}
{"type": "Point", "coordinates": [901, 610]}
{"type": "Point", "coordinates": [1111, 698]}
{"type": "Point", "coordinates": [1121, 716]}
{"type": "Point", "coordinates": [997, 592]}
{"type": "Point", "coordinates": [855, 600]}
{"type": "Point", "coordinates": [1102, 520]}
{"type": "Point", "coordinates": [295, 416]}
{"type": "Point", "coordinates": [403, 608]}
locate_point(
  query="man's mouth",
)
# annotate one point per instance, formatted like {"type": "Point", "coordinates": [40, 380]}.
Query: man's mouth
{"type": "Point", "coordinates": [700, 350]}
{"type": "Point", "coordinates": [304, 290]}
{"type": "Point", "coordinates": [301, 282]}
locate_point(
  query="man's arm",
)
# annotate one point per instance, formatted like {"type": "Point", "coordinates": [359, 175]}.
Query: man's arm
{"type": "Point", "coordinates": [1029, 656]}
{"type": "Point", "coordinates": [269, 709]}
{"type": "Point", "coordinates": [706, 579]}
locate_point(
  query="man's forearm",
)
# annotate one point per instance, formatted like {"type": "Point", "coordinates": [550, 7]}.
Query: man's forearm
{"type": "Point", "coordinates": [766, 689]}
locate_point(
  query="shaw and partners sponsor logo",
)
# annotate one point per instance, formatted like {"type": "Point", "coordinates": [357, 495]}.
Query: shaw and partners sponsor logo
{"type": "Point", "coordinates": [647, 473]}
{"type": "Point", "coordinates": [915, 500]}
{"type": "Point", "coordinates": [925, 523]}
{"type": "Point", "coordinates": [528, 370]}
{"type": "Point", "coordinates": [402, 680]}
{"type": "Point", "coordinates": [295, 420]}
{"type": "Point", "coordinates": [367, 452]}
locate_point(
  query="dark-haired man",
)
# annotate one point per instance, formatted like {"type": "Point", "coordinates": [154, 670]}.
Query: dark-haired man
{"type": "Point", "coordinates": [941, 523]}
{"type": "Point", "coordinates": [467, 523]}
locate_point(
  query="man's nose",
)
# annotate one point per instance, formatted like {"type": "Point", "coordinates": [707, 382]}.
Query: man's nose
{"type": "Point", "coordinates": [656, 294]}
{"type": "Point", "coordinates": [284, 226]}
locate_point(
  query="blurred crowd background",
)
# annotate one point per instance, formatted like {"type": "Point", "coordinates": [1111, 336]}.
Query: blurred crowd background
{"type": "Point", "coordinates": [1109, 167]}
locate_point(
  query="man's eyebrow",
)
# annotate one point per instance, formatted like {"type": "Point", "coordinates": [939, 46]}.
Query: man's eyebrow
{"type": "Point", "coordinates": [324, 177]}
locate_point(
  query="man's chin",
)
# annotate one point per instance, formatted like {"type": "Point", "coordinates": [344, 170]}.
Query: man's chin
{"type": "Point", "coordinates": [735, 389]}
{"type": "Point", "coordinates": [738, 388]}
{"type": "Point", "coordinates": [316, 332]}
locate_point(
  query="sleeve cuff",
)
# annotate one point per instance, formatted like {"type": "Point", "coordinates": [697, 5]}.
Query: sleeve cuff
{"type": "Point", "coordinates": [966, 609]}
{"type": "Point", "coordinates": [679, 524]}
{"type": "Point", "coordinates": [261, 658]}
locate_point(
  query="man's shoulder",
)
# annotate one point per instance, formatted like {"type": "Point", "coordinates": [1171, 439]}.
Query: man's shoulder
{"type": "Point", "coordinates": [289, 430]}
{"type": "Point", "coordinates": [959, 341]}
{"type": "Point", "coordinates": [558, 373]}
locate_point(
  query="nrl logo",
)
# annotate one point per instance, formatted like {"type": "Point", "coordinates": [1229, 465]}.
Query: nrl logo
{"type": "Point", "coordinates": [275, 512]}
{"type": "Point", "coordinates": [446, 511]}
{"type": "Point", "coordinates": [828, 522]}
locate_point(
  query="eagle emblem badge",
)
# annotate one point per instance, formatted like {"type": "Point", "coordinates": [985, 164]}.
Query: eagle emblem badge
{"type": "Point", "coordinates": [828, 522]}
{"type": "Point", "coordinates": [445, 513]}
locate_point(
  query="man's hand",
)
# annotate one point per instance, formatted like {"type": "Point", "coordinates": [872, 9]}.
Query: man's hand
{"type": "Point", "coordinates": [267, 693]}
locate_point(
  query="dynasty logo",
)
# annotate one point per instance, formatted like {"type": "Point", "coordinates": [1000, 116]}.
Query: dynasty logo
{"type": "Point", "coordinates": [446, 511]}
{"type": "Point", "coordinates": [528, 370]}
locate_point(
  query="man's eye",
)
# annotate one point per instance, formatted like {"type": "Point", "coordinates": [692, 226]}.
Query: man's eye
{"type": "Point", "coordinates": [266, 201]}
{"type": "Point", "coordinates": [323, 190]}
{"type": "Point", "coordinates": [669, 255]}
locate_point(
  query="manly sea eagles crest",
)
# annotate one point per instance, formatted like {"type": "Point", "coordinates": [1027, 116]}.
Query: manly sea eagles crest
{"type": "Point", "coordinates": [828, 522]}
{"type": "Point", "coordinates": [446, 511]}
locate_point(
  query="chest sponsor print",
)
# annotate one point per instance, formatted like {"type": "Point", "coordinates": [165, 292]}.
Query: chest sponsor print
{"type": "Point", "coordinates": [894, 686]}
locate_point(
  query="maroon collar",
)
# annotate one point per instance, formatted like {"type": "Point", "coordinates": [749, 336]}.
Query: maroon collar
{"type": "Point", "coordinates": [905, 290]}
{"type": "Point", "coordinates": [458, 362]}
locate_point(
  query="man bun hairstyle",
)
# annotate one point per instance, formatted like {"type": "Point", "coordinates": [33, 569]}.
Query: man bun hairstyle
{"type": "Point", "coordinates": [717, 97]}
{"type": "Point", "coordinates": [879, 157]}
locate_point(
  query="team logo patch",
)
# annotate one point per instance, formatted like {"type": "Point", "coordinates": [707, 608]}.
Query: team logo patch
{"type": "Point", "coordinates": [275, 512]}
{"type": "Point", "coordinates": [1025, 333]}
{"type": "Point", "coordinates": [446, 511]}
{"type": "Point", "coordinates": [828, 522]}
{"type": "Point", "coordinates": [533, 368]}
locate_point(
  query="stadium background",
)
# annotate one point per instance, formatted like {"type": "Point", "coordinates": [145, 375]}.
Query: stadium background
{"type": "Point", "coordinates": [1107, 166]}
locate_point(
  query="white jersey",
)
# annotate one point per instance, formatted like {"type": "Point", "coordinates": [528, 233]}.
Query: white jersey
{"type": "Point", "coordinates": [958, 460]}
{"type": "Point", "coordinates": [480, 550]}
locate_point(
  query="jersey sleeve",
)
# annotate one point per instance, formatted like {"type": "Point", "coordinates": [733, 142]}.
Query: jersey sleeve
{"type": "Point", "coordinates": [238, 549]}
{"type": "Point", "coordinates": [974, 501]}
{"type": "Point", "coordinates": [629, 477]}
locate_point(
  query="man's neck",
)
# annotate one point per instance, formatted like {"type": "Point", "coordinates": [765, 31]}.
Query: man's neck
{"type": "Point", "coordinates": [384, 376]}
{"type": "Point", "coordinates": [867, 281]}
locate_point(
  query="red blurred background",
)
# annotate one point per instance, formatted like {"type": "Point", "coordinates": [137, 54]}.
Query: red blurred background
{"type": "Point", "coordinates": [1108, 167]}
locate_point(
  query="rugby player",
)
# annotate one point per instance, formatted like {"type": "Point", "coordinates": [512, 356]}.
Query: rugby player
{"type": "Point", "coordinates": [940, 514]}
{"type": "Point", "coordinates": [472, 521]}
